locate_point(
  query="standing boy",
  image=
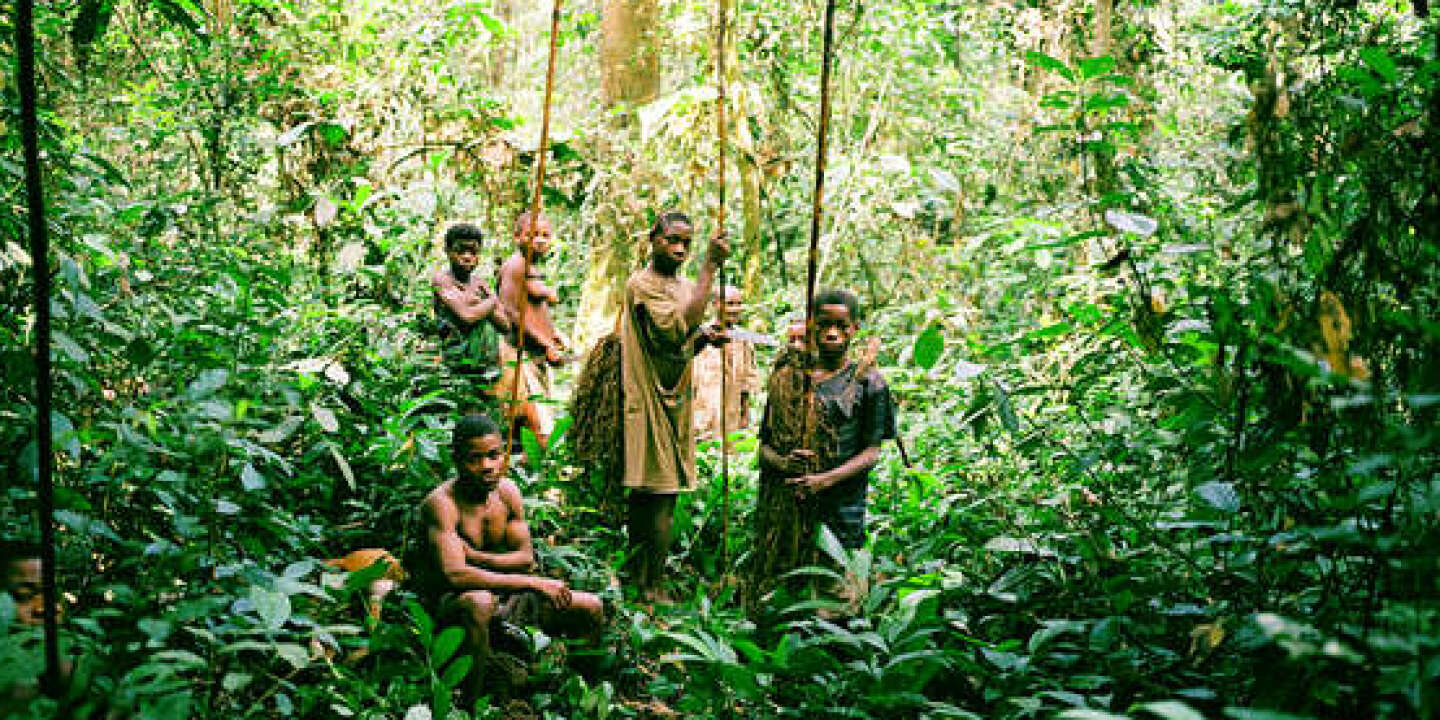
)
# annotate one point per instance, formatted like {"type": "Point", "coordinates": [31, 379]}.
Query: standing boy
{"type": "Point", "coordinates": [468, 315]}
{"type": "Point", "coordinates": [819, 440]}
{"type": "Point", "coordinates": [658, 338]}
{"type": "Point", "coordinates": [543, 345]}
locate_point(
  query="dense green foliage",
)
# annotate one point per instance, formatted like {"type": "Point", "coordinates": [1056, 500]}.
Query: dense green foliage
{"type": "Point", "coordinates": [1159, 313]}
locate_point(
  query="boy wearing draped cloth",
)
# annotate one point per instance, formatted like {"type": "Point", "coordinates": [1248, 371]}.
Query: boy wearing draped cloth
{"type": "Point", "coordinates": [659, 336]}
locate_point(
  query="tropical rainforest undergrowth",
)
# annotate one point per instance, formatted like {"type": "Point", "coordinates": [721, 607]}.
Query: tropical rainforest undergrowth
{"type": "Point", "coordinates": [1155, 285]}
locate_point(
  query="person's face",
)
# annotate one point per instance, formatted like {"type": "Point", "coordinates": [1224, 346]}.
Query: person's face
{"type": "Point", "coordinates": [795, 336]}
{"type": "Point", "coordinates": [834, 329]}
{"type": "Point", "coordinates": [537, 240]}
{"type": "Point", "coordinates": [729, 307]}
{"type": "Point", "coordinates": [22, 579]}
{"type": "Point", "coordinates": [669, 251]}
{"type": "Point", "coordinates": [464, 256]}
{"type": "Point", "coordinates": [480, 461]}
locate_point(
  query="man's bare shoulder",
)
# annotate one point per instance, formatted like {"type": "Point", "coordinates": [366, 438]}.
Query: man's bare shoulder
{"type": "Point", "coordinates": [440, 501]}
{"type": "Point", "coordinates": [441, 278]}
{"type": "Point", "coordinates": [510, 493]}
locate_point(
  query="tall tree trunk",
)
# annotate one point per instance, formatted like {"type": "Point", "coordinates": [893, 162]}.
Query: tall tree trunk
{"type": "Point", "coordinates": [629, 77]}
{"type": "Point", "coordinates": [1100, 39]}
{"type": "Point", "coordinates": [502, 48]}
{"type": "Point", "coordinates": [629, 58]}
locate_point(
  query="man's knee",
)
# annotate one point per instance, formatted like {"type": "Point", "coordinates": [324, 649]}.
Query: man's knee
{"type": "Point", "coordinates": [590, 604]}
{"type": "Point", "coordinates": [479, 606]}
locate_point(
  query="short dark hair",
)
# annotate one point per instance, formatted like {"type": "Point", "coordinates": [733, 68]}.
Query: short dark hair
{"type": "Point", "coordinates": [666, 221]}
{"type": "Point", "coordinates": [834, 296]}
{"type": "Point", "coordinates": [15, 549]}
{"type": "Point", "coordinates": [472, 426]}
{"type": "Point", "coordinates": [462, 231]}
{"type": "Point", "coordinates": [526, 220]}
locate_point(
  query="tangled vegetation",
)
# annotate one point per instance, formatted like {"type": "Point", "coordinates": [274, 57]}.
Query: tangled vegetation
{"type": "Point", "coordinates": [1150, 279]}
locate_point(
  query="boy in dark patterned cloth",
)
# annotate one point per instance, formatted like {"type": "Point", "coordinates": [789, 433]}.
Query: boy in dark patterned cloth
{"type": "Point", "coordinates": [825, 459]}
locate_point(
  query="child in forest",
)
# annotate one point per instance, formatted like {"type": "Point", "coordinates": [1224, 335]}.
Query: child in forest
{"type": "Point", "coordinates": [20, 578]}
{"type": "Point", "coordinates": [819, 439]}
{"type": "Point", "coordinates": [544, 346]}
{"type": "Point", "coordinates": [737, 379]}
{"type": "Point", "coordinates": [468, 313]}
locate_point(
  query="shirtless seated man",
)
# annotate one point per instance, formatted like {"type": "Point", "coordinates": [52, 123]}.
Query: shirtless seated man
{"type": "Point", "coordinates": [478, 556]}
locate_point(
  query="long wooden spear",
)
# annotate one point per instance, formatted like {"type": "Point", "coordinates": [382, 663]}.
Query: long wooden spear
{"type": "Point", "coordinates": [537, 204]}
{"type": "Point", "coordinates": [720, 24]}
{"type": "Point", "coordinates": [44, 383]}
{"type": "Point", "coordinates": [817, 213]}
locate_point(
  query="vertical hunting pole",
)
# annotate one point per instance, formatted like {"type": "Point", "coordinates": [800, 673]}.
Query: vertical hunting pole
{"type": "Point", "coordinates": [44, 385]}
{"type": "Point", "coordinates": [817, 211]}
{"type": "Point", "coordinates": [720, 226]}
{"type": "Point", "coordinates": [537, 204]}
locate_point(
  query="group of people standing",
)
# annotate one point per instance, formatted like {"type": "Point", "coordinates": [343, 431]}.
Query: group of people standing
{"type": "Point", "coordinates": [825, 417]}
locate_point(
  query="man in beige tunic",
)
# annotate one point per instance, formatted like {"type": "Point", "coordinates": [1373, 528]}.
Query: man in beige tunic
{"type": "Point", "coordinates": [737, 379]}
{"type": "Point", "coordinates": [659, 335]}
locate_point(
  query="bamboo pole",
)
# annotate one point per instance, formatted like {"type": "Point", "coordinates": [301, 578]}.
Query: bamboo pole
{"type": "Point", "coordinates": [720, 27]}
{"type": "Point", "coordinates": [537, 204]}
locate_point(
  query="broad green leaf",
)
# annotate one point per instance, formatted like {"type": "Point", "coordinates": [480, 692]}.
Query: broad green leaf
{"type": "Point", "coordinates": [1132, 223]}
{"type": "Point", "coordinates": [1096, 66]}
{"type": "Point", "coordinates": [1089, 714]}
{"type": "Point", "coordinates": [1380, 63]}
{"type": "Point", "coordinates": [344, 465]}
{"type": "Point", "coordinates": [446, 644]}
{"type": "Point", "coordinates": [63, 434]}
{"type": "Point", "coordinates": [422, 621]}
{"type": "Point", "coordinates": [1018, 545]}
{"type": "Point", "coordinates": [294, 654]}
{"type": "Point", "coordinates": [251, 479]}
{"type": "Point", "coordinates": [69, 347]}
{"type": "Point", "coordinates": [457, 671]}
{"type": "Point", "coordinates": [1244, 713]}
{"type": "Point", "coordinates": [207, 382]}
{"type": "Point", "coordinates": [1172, 710]}
{"type": "Point", "coordinates": [1042, 60]}
{"type": "Point", "coordinates": [1103, 102]}
{"type": "Point", "coordinates": [325, 417]}
{"type": "Point", "coordinates": [272, 607]}
{"type": "Point", "coordinates": [1053, 629]}
{"type": "Point", "coordinates": [1055, 330]}
{"type": "Point", "coordinates": [1004, 409]}
{"type": "Point", "coordinates": [235, 680]}
{"type": "Point", "coordinates": [333, 133]}
{"type": "Point", "coordinates": [1219, 495]}
{"type": "Point", "coordinates": [929, 345]}
{"type": "Point", "coordinates": [283, 431]}
{"type": "Point", "coordinates": [289, 137]}
{"type": "Point", "coordinates": [832, 547]}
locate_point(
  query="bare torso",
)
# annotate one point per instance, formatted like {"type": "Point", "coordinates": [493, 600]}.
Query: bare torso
{"type": "Point", "coordinates": [539, 327]}
{"type": "Point", "coordinates": [483, 525]}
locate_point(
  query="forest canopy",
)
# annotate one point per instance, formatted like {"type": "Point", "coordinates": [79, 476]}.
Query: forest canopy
{"type": "Point", "coordinates": [1153, 286]}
